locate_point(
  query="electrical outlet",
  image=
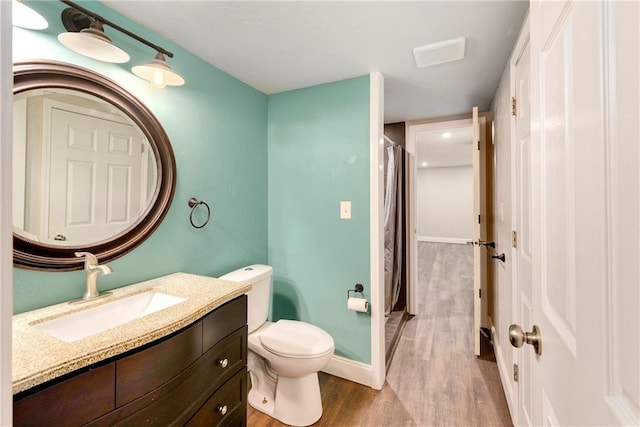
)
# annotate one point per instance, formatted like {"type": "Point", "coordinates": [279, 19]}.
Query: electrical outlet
{"type": "Point", "coordinates": [345, 209]}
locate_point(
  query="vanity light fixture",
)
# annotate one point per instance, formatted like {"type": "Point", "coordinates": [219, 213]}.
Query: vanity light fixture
{"type": "Point", "coordinates": [86, 36]}
{"type": "Point", "coordinates": [446, 135]}
{"type": "Point", "coordinates": [25, 17]}
{"type": "Point", "coordinates": [158, 72]}
{"type": "Point", "coordinates": [94, 43]}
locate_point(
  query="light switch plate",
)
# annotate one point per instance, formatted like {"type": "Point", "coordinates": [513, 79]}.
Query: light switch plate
{"type": "Point", "coordinates": [345, 209]}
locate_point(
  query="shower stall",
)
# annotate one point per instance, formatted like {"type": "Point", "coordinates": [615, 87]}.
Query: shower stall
{"type": "Point", "coordinates": [394, 239]}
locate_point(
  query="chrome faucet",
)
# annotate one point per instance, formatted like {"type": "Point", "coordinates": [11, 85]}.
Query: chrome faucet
{"type": "Point", "coordinates": [92, 268]}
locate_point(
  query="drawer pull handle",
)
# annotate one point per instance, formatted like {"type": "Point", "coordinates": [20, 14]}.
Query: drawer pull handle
{"type": "Point", "coordinates": [222, 409]}
{"type": "Point", "coordinates": [223, 363]}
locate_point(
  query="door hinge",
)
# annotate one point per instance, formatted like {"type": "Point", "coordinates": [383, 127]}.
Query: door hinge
{"type": "Point", "coordinates": [478, 145]}
{"type": "Point", "coordinates": [478, 219]}
{"type": "Point", "coordinates": [514, 106]}
{"type": "Point", "coordinates": [514, 239]}
{"type": "Point", "coordinates": [480, 293]}
{"type": "Point", "coordinates": [516, 373]}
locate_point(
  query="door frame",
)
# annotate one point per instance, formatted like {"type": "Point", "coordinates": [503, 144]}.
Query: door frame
{"type": "Point", "coordinates": [6, 263]}
{"type": "Point", "coordinates": [377, 373]}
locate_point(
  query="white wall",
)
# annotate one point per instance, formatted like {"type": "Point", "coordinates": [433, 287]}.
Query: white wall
{"type": "Point", "coordinates": [445, 204]}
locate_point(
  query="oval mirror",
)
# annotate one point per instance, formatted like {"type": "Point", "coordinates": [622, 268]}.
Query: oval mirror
{"type": "Point", "coordinates": [93, 169]}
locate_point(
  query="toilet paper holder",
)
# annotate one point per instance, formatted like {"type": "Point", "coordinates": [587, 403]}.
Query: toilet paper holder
{"type": "Point", "coordinates": [359, 288]}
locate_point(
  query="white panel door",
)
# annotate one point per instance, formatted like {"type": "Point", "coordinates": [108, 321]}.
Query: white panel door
{"type": "Point", "coordinates": [479, 227]}
{"type": "Point", "coordinates": [95, 175]}
{"type": "Point", "coordinates": [522, 250]}
{"type": "Point", "coordinates": [585, 299]}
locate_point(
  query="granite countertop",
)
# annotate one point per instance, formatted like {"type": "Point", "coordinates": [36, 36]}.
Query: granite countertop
{"type": "Point", "coordinates": [38, 357]}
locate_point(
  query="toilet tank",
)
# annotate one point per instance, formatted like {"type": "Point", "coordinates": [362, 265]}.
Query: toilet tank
{"type": "Point", "coordinates": [259, 297]}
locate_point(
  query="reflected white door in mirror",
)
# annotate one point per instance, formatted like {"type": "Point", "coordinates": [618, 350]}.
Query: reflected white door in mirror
{"type": "Point", "coordinates": [83, 172]}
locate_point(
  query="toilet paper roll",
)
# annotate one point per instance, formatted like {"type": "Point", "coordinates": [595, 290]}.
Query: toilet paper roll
{"type": "Point", "coordinates": [358, 304]}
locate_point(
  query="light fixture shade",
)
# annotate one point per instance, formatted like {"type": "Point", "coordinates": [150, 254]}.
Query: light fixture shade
{"type": "Point", "coordinates": [94, 43]}
{"type": "Point", "coordinates": [158, 73]}
{"type": "Point", "coordinates": [25, 17]}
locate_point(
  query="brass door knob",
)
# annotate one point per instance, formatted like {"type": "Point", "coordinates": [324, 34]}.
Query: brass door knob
{"type": "Point", "coordinates": [517, 337]}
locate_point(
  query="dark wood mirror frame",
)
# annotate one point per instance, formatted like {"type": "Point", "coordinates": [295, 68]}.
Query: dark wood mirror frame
{"type": "Point", "coordinates": [34, 255]}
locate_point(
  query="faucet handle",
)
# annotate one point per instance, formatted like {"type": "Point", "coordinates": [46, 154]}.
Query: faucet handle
{"type": "Point", "coordinates": [90, 260]}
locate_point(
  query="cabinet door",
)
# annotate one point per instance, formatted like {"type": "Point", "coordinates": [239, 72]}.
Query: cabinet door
{"type": "Point", "coordinates": [74, 401]}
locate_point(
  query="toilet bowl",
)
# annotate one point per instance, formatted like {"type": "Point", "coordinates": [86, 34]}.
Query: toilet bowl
{"type": "Point", "coordinates": [284, 357]}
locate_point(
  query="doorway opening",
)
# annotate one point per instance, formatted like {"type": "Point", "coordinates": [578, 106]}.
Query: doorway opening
{"type": "Point", "coordinates": [449, 168]}
{"type": "Point", "coordinates": [438, 154]}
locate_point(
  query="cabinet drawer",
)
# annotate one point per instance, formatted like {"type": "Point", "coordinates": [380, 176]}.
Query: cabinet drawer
{"type": "Point", "coordinates": [71, 402]}
{"type": "Point", "coordinates": [223, 321]}
{"type": "Point", "coordinates": [227, 357]}
{"type": "Point", "coordinates": [227, 407]}
{"type": "Point", "coordinates": [145, 370]}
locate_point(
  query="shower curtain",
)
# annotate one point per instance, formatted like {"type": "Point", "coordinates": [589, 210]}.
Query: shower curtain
{"type": "Point", "coordinates": [393, 216]}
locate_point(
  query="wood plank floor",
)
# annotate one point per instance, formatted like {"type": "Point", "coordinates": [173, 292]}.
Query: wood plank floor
{"type": "Point", "coordinates": [434, 378]}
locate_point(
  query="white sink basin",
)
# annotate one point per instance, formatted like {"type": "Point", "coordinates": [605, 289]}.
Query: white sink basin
{"type": "Point", "coordinates": [81, 324]}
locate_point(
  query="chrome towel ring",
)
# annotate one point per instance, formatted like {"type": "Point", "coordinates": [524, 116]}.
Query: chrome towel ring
{"type": "Point", "coordinates": [193, 204]}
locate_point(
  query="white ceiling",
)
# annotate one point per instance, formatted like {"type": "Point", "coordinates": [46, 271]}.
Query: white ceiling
{"type": "Point", "coordinates": [276, 46]}
{"type": "Point", "coordinates": [436, 149]}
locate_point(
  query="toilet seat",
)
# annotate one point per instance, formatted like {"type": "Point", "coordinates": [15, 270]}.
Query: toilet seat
{"type": "Point", "coordinates": [295, 339]}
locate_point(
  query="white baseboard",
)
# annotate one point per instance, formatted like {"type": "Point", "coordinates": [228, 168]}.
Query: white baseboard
{"type": "Point", "coordinates": [456, 240]}
{"type": "Point", "coordinates": [351, 370]}
{"type": "Point", "coordinates": [505, 374]}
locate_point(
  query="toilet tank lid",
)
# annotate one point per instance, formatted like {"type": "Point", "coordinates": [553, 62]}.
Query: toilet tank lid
{"type": "Point", "coordinates": [296, 339]}
{"type": "Point", "coordinates": [250, 274]}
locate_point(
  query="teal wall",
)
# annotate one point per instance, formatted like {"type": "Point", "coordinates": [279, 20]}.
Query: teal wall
{"type": "Point", "coordinates": [218, 130]}
{"type": "Point", "coordinates": [306, 149]}
{"type": "Point", "coordinates": [319, 155]}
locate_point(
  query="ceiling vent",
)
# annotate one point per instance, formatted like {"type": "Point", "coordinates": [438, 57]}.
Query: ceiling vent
{"type": "Point", "coordinates": [439, 53]}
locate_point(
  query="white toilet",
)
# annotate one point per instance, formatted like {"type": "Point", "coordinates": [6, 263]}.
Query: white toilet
{"type": "Point", "coordinates": [284, 357]}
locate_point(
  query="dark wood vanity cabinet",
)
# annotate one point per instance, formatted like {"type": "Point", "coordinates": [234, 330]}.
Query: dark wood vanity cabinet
{"type": "Point", "coordinates": [196, 376]}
